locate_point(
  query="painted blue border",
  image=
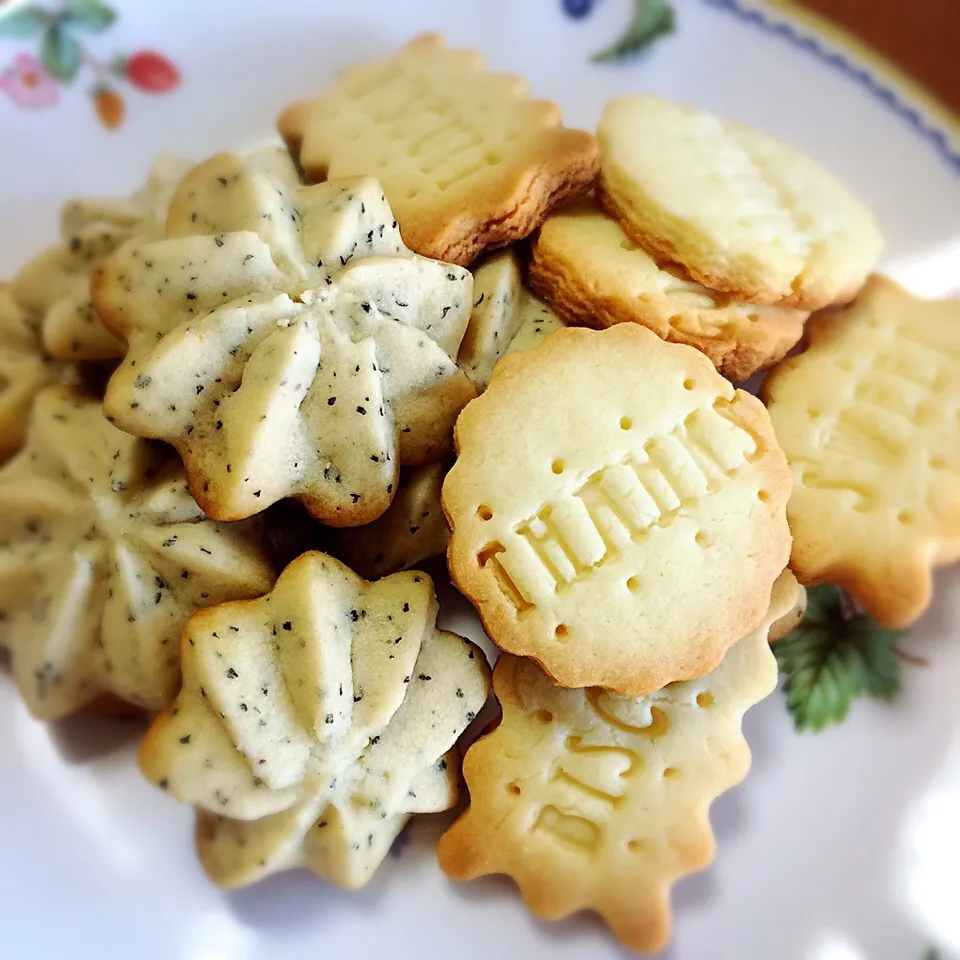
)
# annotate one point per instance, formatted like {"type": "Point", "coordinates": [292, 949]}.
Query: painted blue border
{"type": "Point", "coordinates": [812, 44]}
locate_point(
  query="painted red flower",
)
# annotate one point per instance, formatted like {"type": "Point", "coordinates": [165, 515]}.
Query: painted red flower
{"type": "Point", "coordinates": [29, 84]}
{"type": "Point", "coordinates": [151, 71]}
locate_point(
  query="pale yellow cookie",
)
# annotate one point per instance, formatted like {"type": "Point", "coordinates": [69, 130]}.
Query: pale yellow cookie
{"type": "Point", "coordinates": [506, 318]}
{"type": "Point", "coordinates": [54, 286]}
{"type": "Point", "coordinates": [618, 510]}
{"type": "Point", "coordinates": [24, 370]}
{"type": "Point", "coordinates": [598, 802]}
{"type": "Point", "coordinates": [314, 721]}
{"type": "Point", "coordinates": [411, 531]}
{"type": "Point", "coordinates": [537, 322]}
{"type": "Point", "coordinates": [595, 275]}
{"type": "Point", "coordinates": [286, 342]}
{"type": "Point", "coordinates": [741, 212]}
{"type": "Point", "coordinates": [103, 557]}
{"type": "Point", "coordinates": [467, 160]}
{"type": "Point", "coordinates": [495, 317]}
{"type": "Point", "coordinates": [869, 418]}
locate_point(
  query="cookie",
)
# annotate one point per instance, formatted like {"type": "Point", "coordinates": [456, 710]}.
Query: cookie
{"type": "Point", "coordinates": [291, 346]}
{"type": "Point", "coordinates": [24, 371]}
{"type": "Point", "coordinates": [595, 275]}
{"type": "Point", "coordinates": [495, 317]}
{"type": "Point", "coordinates": [592, 473]}
{"type": "Point", "coordinates": [506, 318]}
{"type": "Point", "coordinates": [742, 213]}
{"type": "Point", "coordinates": [537, 322]}
{"type": "Point", "coordinates": [314, 721]}
{"type": "Point", "coordinates": [593, 801]}
{"type": "Point", "coordinates": [867, 417]}
{"type": "Point", "coordinates": [103, 557]}
{"type": "Point", "coordinates": [412, 530]}
{"type": "Point", "coordinates": [54, 286]}
{"type": "Point", "coordinates": [468, 162]}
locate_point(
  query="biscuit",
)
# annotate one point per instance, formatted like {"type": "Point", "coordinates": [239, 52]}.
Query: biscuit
{"type": "Point", "coordinates": [593, 801]}
{"type": "Point", "coordinates": [103, 557]}
{"type": "Point", "coordinates": [741, 212]}
{"type": "Point", "coordinates": [314, 721]}
{"type": "Point", "coordinates": [592, 473]}
{"type": "Point", "coordinates": [414, 529]}
{"type": "Point", "coordinates": [55, 284]}
{"type": "Point", "coordinates": [468, 162]}
{"type": "Point", "coordinates": [302, 352]}
{"type": "Point", "coordinates": [24, 371]}
{"type": "Point", "coordinates": [495, 316]}
{"type": "Point", "coordinates": [537, 322]}
{"type": "Point", "coordinates": [506, 318]}
{"type": "Point", "coordinates": [867, 417]}
{"type": "Point", "coordinates": [595, 275]}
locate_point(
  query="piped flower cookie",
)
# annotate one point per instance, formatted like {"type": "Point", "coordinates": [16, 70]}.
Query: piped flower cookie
{"type": "Point", "coordinates": [286, 342]}
{"type": "Point", "coordinates": [314, 722]}
{"type": "Point", "coordinates": [103, 557]}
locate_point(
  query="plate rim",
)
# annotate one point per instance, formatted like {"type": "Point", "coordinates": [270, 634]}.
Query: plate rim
{"type": "Point", "coordinates": [835, 47]}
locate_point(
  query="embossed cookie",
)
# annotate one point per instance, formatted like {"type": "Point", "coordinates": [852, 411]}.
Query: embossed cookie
{"type": "Point", "coordinates": [103, 557]}
{"type": "Point", "coordinates": [54, 286]}
{"type": "Point", "coordinates": [286, 342]}
{"type": "Point", "coordinates": [741, 212]}
{"type": "Point", "coordinates": [24, 371]}
{"type": "Point", "coordinates": [868, 419]}
{"type": "Point", "coordinates": [411, 531]}
{"type": "Point", "coordinates": [594, 801]}
{"type": "Point", "coordinates": [467, 160]}
{"type": "Point", "coordinates": [314, 721]}
{"type": "Point", "coordinates": [595, 275]}
{"type": "Point", "coordinates": [618, 509]}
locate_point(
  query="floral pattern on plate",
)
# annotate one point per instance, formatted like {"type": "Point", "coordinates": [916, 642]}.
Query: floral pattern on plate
{"type": "Point", "coordinates": [33, 81]}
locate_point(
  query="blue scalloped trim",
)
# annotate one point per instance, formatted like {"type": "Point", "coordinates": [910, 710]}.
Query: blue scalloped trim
{"type": "Point", "coordinates": [812, 44]}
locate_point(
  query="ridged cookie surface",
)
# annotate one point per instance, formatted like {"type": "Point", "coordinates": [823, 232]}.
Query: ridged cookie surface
{"type": "Point", "coordinates": [868, 418]}
{"type": "Point", "coordinates": [593, 801]}
{"type": "Point", "coordinates": [741, 212]}
{"type": "Point", "coordinates": [618, 509]}
{"type": "Point", "coordinates": [466, 159]}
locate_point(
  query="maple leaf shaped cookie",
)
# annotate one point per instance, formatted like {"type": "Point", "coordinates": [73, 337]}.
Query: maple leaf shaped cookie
{"type": "Point", "coordinates": [314, 721]}
{"type": "Point", "coordinates": [24, 370]}
{"type": "Point", "coordinates": [286, 342]}
{"type": "Point", "coordinates": [103, 557]}
{"type": "Point", "coordinates": [595, 801]}
{"type": "Point", "coordinates": [55, 285]}
{"type": "Point", "coordinates": [468, 161]}
{"type": "Point", "coordinates": [867, 417]}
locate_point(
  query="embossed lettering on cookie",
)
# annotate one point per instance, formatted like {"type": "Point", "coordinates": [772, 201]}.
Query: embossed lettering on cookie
{"type": "Point", "coordinates": [618, 509]}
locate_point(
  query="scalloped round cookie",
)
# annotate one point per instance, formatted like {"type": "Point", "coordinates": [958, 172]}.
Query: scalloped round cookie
{"type": "Point", "coordinates": [618, 509]}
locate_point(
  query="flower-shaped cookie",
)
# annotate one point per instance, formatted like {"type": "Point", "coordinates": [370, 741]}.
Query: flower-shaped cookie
{"type": "Point", "coordinates": [593, 801]}
{"type": "Point", "coordinates": [313, 722]}
{"type": "Point", "coordinates": [24, 371]}
{"type": "Point", "coordinates": [55, 285]}
{"type": "Point", "coordinates": [103, 557]}
{"type": "Point", "coordinates": [286, 342]}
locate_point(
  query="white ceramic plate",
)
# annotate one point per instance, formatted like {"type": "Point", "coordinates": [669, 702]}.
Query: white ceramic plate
{"type": "Point", "coordinates": [840, 846]}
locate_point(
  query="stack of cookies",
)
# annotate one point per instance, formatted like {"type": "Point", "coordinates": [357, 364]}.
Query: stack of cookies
{"type": "Point", "coordinates": [443, 323]}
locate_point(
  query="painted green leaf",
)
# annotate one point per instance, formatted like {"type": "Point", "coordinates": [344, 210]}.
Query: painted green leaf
{"type": "Point", "coordinates": [90, 15]}
{"type": "Point", "coordinates": [60, 53]}
{"type": "Point", "coordinates": [23, 22]}
{"type": "Point", "coordinates": [834, 657]}
{"type": "Point", "coordinates": [651, 19]}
